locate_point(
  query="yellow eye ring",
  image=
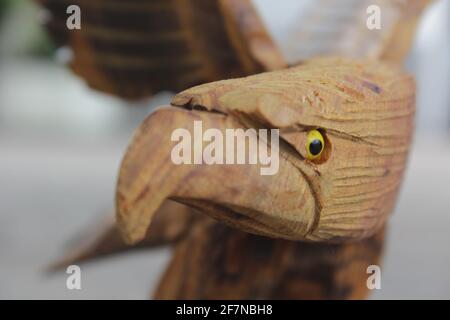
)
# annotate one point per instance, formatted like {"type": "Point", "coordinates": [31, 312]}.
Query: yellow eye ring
{"type": "Point", "coordinates": [314, 144]}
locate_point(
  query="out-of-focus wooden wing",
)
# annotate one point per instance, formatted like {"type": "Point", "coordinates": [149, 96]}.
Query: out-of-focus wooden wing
{"type": "Point", "coordinates": [218, 262]}
{"type": "Point", "coordinates": [339, 28]}
{"type": "Point", "coordinates": [103, 239]}
{"type": "Point", "coordinates": [136, 48]}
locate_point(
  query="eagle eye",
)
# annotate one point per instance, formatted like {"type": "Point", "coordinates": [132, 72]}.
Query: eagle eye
{"type": "Point", "coordinates": [315, 143]}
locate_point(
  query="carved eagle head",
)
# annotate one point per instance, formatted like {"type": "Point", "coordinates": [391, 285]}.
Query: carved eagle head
{"type": "Point", "coordinates": [344, 133]}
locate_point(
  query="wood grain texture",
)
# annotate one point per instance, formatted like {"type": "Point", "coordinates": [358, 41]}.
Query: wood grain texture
{"type": "Point", "coordinates": [103, 240]}
{"type": "Point", "coordinates": [218, 262]}
{"type": "Point", "coordinates": [134, 49]}
{"type": "Point", "coordinates": [335, 207]}
{"type": "Point", "coordinates": [339, 28]}
{"type": "Point", "coordinates": [364, 109]}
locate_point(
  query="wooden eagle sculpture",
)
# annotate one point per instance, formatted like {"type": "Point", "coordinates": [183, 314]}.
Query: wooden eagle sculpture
{"type": "Point", "coordinates": [344, 126]}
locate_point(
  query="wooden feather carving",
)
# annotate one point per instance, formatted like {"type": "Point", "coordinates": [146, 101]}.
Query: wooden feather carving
{"type": "Point", "coordinates": [217, 262]}
{"type": "Point", "coordinates": [103, 239]}
{"type": "Point", "coordinates": [339, 28]}
{"type": "Point", "coordinates": [365, 111]}
{"type": "Point", "coordinates": [309, 231]}
{"type": "Point", "coordinates": [136, 48]}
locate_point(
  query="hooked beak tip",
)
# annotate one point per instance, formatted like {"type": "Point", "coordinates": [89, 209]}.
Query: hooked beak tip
{"type": "Point", "coordinates": [148, 177]}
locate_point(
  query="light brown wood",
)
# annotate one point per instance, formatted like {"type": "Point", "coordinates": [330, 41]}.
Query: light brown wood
{"type": "Point", "coordinates": [134, 48]}
{"type": "Point", "coordinates": [103, 240]}
{"type": "Point", "coordinates": [336, 206]}
{"type": "Point", "coordinates": [217, 262]}
{"type": "Point", "coordinates": [339, 28]}
{"type": "Point", "coordinates": [365, 111]}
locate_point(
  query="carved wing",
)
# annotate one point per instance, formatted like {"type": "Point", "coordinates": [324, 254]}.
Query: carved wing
{"type": "Point", "coordinates": [343, 28]}
{"type": "Point", "coordinates": [134, 49]}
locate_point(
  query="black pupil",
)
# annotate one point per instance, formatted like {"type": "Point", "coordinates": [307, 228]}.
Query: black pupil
{"type": "Point", "coordinates": [315, 147]}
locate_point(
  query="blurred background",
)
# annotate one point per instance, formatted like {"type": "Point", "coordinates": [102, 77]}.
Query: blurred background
{"type": "Point", "coordinates": [61, 144]}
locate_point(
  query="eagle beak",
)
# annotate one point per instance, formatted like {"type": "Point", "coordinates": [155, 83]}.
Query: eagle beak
{"type": "Point", "coordinates": [279, 204]}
